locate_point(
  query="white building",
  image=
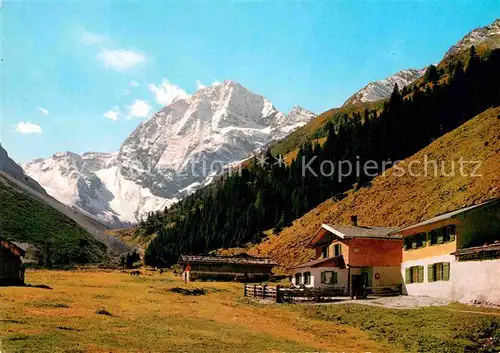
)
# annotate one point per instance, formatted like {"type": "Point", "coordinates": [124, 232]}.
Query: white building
{"type": "Point", "coordinates": [434, 263]}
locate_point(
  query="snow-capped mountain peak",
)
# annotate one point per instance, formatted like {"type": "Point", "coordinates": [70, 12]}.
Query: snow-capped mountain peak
{"type": "Point", "coordinates": [178, 149]}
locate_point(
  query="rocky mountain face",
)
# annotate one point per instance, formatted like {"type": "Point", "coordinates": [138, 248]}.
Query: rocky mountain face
{"type": "Point", "coordinates": [488, 35]}
{"type": "Point", "coordinates": [177, 150]}
{"type": "Point", "coordinates": [11, 168]}
{"type": "Point", "coordinates": [382, 89]}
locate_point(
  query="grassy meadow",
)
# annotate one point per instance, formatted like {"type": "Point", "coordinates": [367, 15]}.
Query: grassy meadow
{"type": "Point", "coordinates": [97, 311]}
{"type": "Point", "coordinates": [112, 311]}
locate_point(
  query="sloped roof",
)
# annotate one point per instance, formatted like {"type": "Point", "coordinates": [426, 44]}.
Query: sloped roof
{"type": "Point", "coordinates": [16, 250]}
{"type": "Point", "coordinates": [349, 232]}
{"type": "Point", "coordinates": [360, 231]}
{"type": "Point", "coordinates": [336, 261]}
{"type": "Point", "coordinates": [24, 246]}
{"type": "Point", "coordinates": [447, 215]}
{"type": "Point", "coordinates": [246, 259]}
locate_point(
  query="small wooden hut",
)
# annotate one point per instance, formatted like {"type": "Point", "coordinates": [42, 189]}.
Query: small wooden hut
{"type": "Point", "coordinates": [242, 267]}
{"type": "Point", "coordinates": [11, 264]}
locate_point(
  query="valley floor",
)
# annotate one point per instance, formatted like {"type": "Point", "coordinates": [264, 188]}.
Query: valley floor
{"type": "Point", "coordinates": [112, 311]}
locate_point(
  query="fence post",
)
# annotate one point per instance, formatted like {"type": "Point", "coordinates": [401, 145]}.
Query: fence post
{"type": "Point", "coordinates": [264, 291]}
{"type": "Point", "coordinates": [254, 290]}
{"type": "Point", "coordinates": [278, 294]}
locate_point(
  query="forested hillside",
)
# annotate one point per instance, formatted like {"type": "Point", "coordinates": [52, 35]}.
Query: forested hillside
{"type": "Point", "coordinates": [238, 208]}
{"type": "Point", "coordinates": [400, 200]}
{"type": "Point", "coordinates": [59, 239]}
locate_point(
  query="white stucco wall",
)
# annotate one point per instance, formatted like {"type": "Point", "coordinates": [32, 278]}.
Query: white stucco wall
{"type": "Point", "coordinates": [316, 276]}
{"type": "Point", "coordinates": [389, 276]}
{"type": "Point", "coordinates": [437, 289]}
{"type": "Point", "coordinates": [476, 282]}
{"type": "Point", "coordinates": [470, 281]}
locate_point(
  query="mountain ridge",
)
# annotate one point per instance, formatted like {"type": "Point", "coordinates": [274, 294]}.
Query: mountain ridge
{"type": "Point", "coordinates": [382, 89]}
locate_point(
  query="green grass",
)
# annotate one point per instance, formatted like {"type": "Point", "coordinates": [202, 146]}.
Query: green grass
{"type": "Point", "coordinates": [28, 220]}
{"type": "Point", "coordinates": [433, 329]}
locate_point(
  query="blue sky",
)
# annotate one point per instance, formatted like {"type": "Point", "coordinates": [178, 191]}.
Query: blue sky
{"type": "Point", "coordinates": [69, 68]}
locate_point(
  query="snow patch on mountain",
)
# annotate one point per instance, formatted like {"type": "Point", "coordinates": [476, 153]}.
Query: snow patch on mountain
{"type": "Point", "coordinates": [382, 89]}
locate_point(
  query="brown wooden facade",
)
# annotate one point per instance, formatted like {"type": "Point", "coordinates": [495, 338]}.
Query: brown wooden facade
{"type": "Point", "coordinates": [244, 268]}
{"type": "Point", "coordinates": [11, 265]}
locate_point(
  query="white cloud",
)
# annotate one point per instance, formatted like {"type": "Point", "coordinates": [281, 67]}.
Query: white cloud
{"type": "Point", "coordinates": [112, 115]}
{"type": "Point", "coordinates": [139, 109]}
{"type": "Point", "coordinates": [199, 85]}
{"type": "Point", "coordinates": [28, 128]}
{"type": "Point", "coordinates": [90, 38]}
{"type": "Point", "coordinates": [167, 92]}
{"type": "Point", "coordinates": [43, 111]}
{"type": "Point", "coordinates": [121, 59]}
{"type": "Point", "coordinates": [133, 83]}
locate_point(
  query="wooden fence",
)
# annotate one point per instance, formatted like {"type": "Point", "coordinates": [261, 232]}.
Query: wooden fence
{"type": "Point", "coordinates": [262, 292]}
{"type": "Point", "coordinates": [285, 294]}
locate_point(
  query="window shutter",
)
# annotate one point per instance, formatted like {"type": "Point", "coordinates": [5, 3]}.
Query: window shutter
{"type": "Point", "coordinates": [430, 273]}
{"type": "Point", "coordinates": [408, 275]}
{"type": "Point", "coordinates": [323, 277]}
{"type": "Point", "coordinates": [420, 274]}
{"type": "Point", "coordinates": [335, 277]}
{"type": "Point", "coordinates": [440, 236]}
{"type": "Point", "coordinates": [446, 271]}
{"type": "Point", "coordinates": [452, 232]}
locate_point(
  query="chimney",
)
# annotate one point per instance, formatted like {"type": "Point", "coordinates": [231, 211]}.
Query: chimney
{"type": "Point", "coordinates": [354, 221]}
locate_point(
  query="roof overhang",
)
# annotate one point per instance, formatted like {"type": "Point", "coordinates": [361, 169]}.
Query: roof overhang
{"type": "Point", "coordinates": [233, 260]}
{"type": "Point", "coordinates": [337, 261]}
{"type": "Point", "coordinates": [319, 237]}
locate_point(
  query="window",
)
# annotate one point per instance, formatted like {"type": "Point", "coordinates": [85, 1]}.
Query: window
{"type": "Point", "coordinates": [298, 278]}
{"type": "Point", "coordinates": [443, 235]}
{"type": "Point", "coordinates": [324, 251]}
{"type": "Point", "coordinates": [329, 277]}
{"type": "Point", "coordinates": [438, 272]}
{"type": "Point", "coordinates": [307, 277]}
{"type": "Point", "coordinates": [415, 241]}
{"type": "Point", "coordinates": [414, 274]}
{"type": "Point", "coordinates": [434, 236]}
{"type": "Point", "coordinates": [338, 250]}
{"type": "Point", "coordinates": [449, 233]}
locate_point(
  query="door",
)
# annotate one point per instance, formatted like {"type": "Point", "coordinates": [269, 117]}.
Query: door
{"type": "Point", "coordinates": [359, 283]}
{"type": "Point", "coordinates": [368, 273]}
